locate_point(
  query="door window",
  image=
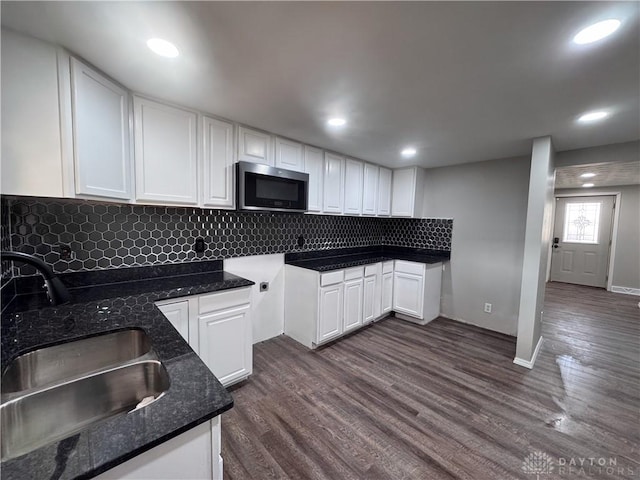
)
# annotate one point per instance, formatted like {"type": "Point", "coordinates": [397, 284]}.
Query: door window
{"type": "Point", "coordinates": [581, 222]}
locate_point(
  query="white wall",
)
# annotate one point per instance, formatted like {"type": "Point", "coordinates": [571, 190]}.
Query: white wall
{"type": "Point", "coordinates": [488, 204]}
{"type": "Point", "coordinates": [626, 265]}
{"type": "Point", "coordinates": [537, 244]}
{"type": "Point", "coordinates": [268, 307]}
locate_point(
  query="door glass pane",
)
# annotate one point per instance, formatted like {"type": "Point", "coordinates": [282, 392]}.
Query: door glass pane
{"type": "Point", "coordinates": [581, 222]}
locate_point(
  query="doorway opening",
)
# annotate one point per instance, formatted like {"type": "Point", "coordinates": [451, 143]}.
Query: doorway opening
{"type": "Point", "coordinates": [584, 239]}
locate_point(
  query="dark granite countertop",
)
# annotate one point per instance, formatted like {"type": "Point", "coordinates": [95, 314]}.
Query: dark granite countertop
{"type": "Point", "coordinates": [195, 395]}
{"type": "Point", "coordinates": [327, 260]}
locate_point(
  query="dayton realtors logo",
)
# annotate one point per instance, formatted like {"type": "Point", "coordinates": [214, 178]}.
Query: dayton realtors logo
{"type": "Point", "coordinates": [537, 463]}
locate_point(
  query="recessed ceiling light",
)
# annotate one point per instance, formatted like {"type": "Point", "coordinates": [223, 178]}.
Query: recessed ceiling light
{"type": "Point", "coordinates": [162, 47]}
{"type": "Point", "coordinates": [336, 122]}
{"type": "Point", "coordinates": [408, 152]}
{"type": "Point", "coordinates": [593, 116]}
{"type": "Point", "coordinates": [587, 185]}
{"type": "Point", "coordinates": [588, 175]}
{"type": "Point", "coordinates": [597, 31]}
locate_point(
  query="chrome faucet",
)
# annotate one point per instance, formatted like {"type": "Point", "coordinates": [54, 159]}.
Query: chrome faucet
{"type": "Point", "coordinates": [56, 290]}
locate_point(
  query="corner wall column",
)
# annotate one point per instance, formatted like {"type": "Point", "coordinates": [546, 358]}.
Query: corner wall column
{"type": "Point", "coordinates": [536, 251]}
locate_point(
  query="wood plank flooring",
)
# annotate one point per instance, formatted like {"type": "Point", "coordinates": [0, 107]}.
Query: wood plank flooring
{"type": "Point", "coordinates": [445, 401]}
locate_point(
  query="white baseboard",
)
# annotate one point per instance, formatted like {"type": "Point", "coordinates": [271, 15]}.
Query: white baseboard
{"type": "Point", "coordinates": [626, 290]}
{"type": "Point", "coordinates": [411, 319]}
{"type": "Point", "coordinates": [529, 363]}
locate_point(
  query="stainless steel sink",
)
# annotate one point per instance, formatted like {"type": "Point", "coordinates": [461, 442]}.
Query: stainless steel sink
{"type": "Point", "coordinates": [124, 375]}
{"type": "Point", "coordinates": [49, 365]}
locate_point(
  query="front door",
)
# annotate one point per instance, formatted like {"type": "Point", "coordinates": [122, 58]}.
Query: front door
{"type": "Point", "coordinates": [582, 239]}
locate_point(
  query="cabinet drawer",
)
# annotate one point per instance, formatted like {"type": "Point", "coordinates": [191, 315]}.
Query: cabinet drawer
{"type": "Point", "coordinates": [219, 300]}
{"type": "Point", "coordinates": [387, 267]}
{"type": "Point", "coordinates": [353, 273]}
{"type": "Point", "coordinates": [331, 277]}
{"type": "Point", "coordinates": [409, 267]}
{"type": "Point", "coordinates": [370, 270]}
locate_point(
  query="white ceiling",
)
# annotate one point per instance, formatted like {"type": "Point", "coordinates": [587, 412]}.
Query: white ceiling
{"type": "Point", "coordinates": [461, 81]}
{"type": "Point", "coordinates": [606, 175]}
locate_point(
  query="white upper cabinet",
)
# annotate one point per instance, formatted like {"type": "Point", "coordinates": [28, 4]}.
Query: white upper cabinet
{"type": "Point", "coordinates": [333, 196]}
{"type": "Point", "coordinates": [353, 171]}
{"type": "Point", "coordinates": [165, 153]}
{"type": "Point", "coordinates": [289, 155]}
{"type": "Point", "coordinates": [254, 146]}
{"type": "Point", "coordinates": [101, 141]}
{"type": "Point", "coordinates": [32, 162]}
{"type": "Point", "coordinates": [218, 165]}
{"type": "Point", "coordinates": [370, 190]}
{"type": "Point", "coordinates": [313, 166]}
{"type": "Point", "coordinates": [407, 191]}
{"type": "Point", "coordinates": [383, 207]}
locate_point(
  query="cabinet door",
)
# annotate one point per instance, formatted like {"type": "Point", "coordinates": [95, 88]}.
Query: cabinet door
{"type": "Point", "coordinates": [330, 315]}
{"type": "Point", "coordinates": [353, 290]}
{"type": "Point", "coordinates": [333, 183]}
{"type": "Point", "coordinates": [384, 192]}
{"type": "Point", "coordinates": [101, 145]}
{"type": "Point", "coordinates": [224, 341]}
{"type": "Point", "coordinates": [165, 150]}
{"type": "Point", "coordinates": [218, 168]}
{"type": "Point", "coordinates": [353, 187]}
{"type": "Point", "coordinates": [403, 193]}
{"type": "Point", "coordinates": [313, 166]}
{"type": "Point", "coordinates": [192, 454]}
{"type": "Point", "coordinates": [369, 299]}
{"type": "Point", "coordinates": [370, 189]}
{"type": "Point", "coordinates": [408, 293]}
{"type": "Point", "coordinates": [387, 292]}
{"type": "Point", "coordinates": [31, 156]}
{"type": "Point", "coordinates": [254, 146]}
{"type": "Point", "coordinates": [178, 314]}
{"type": "Point", "coordinates": [289, 155]}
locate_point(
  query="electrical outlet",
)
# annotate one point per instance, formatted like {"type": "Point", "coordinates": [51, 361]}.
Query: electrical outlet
{"type": "Point", "coordinates": [487, 307]}
{"type": "Point", "coordinates": [199, 246]}
{"type": "Point", "coordinates": [65, 252]}
{"type": "Point", "coordinates": [264, 286]}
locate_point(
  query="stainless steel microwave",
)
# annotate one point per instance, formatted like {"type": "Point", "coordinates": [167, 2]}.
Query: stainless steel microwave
{"type": "Point", "coordinates": [261, 187]}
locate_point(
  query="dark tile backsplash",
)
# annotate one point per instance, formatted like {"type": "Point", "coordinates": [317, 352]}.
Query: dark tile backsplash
{"type": "Point", "coordinates": [104, 235]}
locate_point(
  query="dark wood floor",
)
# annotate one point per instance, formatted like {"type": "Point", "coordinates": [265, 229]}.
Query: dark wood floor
{"type": "Point", "coordinates": [445, 401]}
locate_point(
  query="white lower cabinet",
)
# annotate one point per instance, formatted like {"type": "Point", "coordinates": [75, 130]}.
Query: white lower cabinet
{"type": "Point", "coordinates": [416, 290]}
{"type": "Point", "coordinates": [224, 343]}
{"type": "Point", "coordinates": [407, 296]}
{"type": "Point", "coordinates": [353, 299]}
{"type": "Point", "coordinates": [330, 312]}
{"type": "Point", "coordinates": [218, 328]}
{"type": "Point", "coordinates": [320, 307]}
{"type": "Point", "coordinates": [178, 314]}
{"type": "Point", "coordinates": [194, 454]}
{"type": "Point", "coordinates": [369, 296]}
{"type": "Point", "coordinates": [387, 287]}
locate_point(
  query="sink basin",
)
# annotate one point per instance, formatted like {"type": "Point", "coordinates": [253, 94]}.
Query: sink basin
{"type": "Point", "coordinates": [51, 414]}
{"type": "Point", "coordinates": [56, 391]}
{"type": "Point", "coordinates": [49, 365]}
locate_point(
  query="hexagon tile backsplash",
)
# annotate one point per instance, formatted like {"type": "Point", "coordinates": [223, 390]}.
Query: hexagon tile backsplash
{"type": "Point", "coordinates": [102, 235]}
